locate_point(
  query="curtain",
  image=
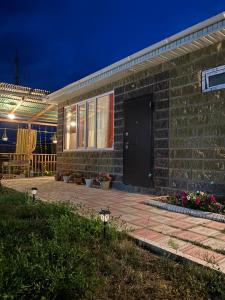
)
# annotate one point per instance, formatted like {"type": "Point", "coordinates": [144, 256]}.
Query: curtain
{"type": "Point", "coordinates": [26, 141]}
{"type": "Point", "coordinates": [91, 124]}
{"type": "Point", "coordinates": [111, 122]}
{"type": "Point", "coordinates": [81, 124]}
{"type": "Point", "coordinates": [103, 122]}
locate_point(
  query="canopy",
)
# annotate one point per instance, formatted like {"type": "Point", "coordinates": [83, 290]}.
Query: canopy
{"type": "Point", "coordinates": [26, 104]}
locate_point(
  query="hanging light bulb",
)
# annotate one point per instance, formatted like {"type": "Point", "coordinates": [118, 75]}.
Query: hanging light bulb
{"type": "Point", "coordinates": [4, 136]}
{"type": "Point", "coordinates": [54, 139]}
{"type": "Point", "coordinates": [11, 116]}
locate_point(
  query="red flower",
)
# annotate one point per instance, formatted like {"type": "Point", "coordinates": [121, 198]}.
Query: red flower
{"type": "Point", "coordinates": [197, 201]}
{"type": "Point", "coordinates": [183, 196]}
{"type": "Point", "coordinates": [212, 199]}
{"type": "Point", "coordinates": [218, 206]}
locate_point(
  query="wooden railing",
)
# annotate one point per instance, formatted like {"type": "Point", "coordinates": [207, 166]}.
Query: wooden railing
{"type": "Point", "coordinates": [40, 164]}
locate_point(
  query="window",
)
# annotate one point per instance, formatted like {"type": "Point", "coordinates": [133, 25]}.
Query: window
{"type": "Point", "coordinates": [213, 79]}
{"type": "Point", "coordinates": [105, 122]}
{"type": "Point", "coordinates": [90, 124]}
{"type": "Point", "coordinates": [70, 128]}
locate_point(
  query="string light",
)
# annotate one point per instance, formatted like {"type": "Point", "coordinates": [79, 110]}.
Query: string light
{"type": "Point", "coordinates": [54, 139]}
{"type": "Point", "coordinates": [4, 136]}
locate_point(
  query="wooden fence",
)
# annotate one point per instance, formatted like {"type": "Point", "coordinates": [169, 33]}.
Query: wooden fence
{"type": "Point", "coordinates": [39, 164]}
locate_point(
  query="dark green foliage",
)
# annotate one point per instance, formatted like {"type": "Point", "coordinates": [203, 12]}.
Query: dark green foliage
{"type": "Point", "coordinates": [48, 251]}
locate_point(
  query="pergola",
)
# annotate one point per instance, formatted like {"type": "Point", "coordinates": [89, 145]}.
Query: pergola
{"type": "Point", "coordinates": [27, 105]}
{"type": "Point", "coordinates": [27, 109]}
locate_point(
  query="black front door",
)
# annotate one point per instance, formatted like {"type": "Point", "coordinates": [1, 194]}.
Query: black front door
{"type": "Point", "coordinates": [138, 142]}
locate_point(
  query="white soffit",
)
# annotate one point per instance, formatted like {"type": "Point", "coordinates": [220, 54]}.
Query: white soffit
{"type": "Point", "coordinates": [196, 37]}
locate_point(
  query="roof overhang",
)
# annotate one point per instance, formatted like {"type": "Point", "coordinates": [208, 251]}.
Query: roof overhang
{"type": "Point", "coordinates": [193, 38]}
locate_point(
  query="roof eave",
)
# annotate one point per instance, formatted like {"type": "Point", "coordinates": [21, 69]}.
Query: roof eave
{"type": "Point", "coordinates": [188, 40]}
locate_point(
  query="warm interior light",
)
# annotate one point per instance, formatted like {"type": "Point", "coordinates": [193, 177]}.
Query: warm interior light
{"type": "Point", "coordinates": [11, 116]}
{"type": "Point", "coordinates": [73, 124]}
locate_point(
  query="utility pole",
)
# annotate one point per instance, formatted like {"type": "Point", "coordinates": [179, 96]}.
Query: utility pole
{"type": "Point", "coordinates": [17, 73]}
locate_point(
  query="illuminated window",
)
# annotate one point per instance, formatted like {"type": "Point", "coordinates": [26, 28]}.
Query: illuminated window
{"type": "Point", "coordinates": [90, 124]}
{"type": "Point", "coordinates": [70, 128]}
{"type": "Point", "coordinates": [81, 125]}
{"type": "Point", "coordinates": [105, 122]}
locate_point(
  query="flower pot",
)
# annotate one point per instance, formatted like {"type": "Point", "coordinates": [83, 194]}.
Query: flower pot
{"type": "Point", "coordinates": [88, 182]}
{"type": "Point", "coordinates": [66, 179]}
{"type": "Point", "coordinates": [105, 185]}
{"type": "Point", "coordinates": [78, 180]}
{"type": "Point", "coordinates": [57, 177]}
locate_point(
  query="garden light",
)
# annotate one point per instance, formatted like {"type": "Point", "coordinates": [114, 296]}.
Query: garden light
{"type": "Point", "coordinates": [34, 192]}
{"type": "Point", "coordinates": [104, 215]}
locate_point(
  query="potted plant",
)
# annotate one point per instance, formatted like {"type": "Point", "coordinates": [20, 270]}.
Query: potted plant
{"type": "Point", "coordinates": [104, 180]}
{"type": "Point", "coordinates": [88, 181]}
{"type": "Point", "coordinates": [66, 177]}
{"type": "Point", "coordinates": [77, 178]}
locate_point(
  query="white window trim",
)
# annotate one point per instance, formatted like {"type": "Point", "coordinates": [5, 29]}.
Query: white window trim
{"type": "Point", "coordinates": [87, 149]}
{"type": "Point", "coordinates": [205, 79]}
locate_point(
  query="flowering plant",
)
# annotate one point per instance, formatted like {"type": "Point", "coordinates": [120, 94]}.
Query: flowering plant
{"type": "Point", "coordinates": [198, 200]}
{"type": "Point", "coordinates": [103, 177]}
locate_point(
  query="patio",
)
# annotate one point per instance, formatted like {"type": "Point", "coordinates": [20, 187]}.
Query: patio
{"type": "Point", "coordinates": [27, 132]}
{"type": "Point", "coordinates": [196, 239]}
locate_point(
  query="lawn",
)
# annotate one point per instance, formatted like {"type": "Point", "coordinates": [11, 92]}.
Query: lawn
{"type": "Point", "coordinates": [49, 251]}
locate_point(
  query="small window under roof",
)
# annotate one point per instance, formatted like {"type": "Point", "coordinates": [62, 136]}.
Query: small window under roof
{"type": "Point", "coordinates": [213, 79]}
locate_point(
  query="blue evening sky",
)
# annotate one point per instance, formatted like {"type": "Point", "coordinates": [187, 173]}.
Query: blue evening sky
{"type": "Point", "coordinates": [62, 41]}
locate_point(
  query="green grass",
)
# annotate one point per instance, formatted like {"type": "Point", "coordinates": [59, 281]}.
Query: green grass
{"type": "Point", "coordinates": [48, 251]}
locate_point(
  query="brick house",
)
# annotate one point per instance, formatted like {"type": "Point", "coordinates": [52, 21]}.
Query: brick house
{"type": "Point", "coordinates": [154, 120]}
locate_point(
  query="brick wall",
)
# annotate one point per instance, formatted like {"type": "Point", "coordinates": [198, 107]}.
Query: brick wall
{"type": "Point", "coordinates": [189, 126]}
{"type": "Point", "coordinates": [197, 124]}
{"type": "Point", "coordinates": [152, 81]}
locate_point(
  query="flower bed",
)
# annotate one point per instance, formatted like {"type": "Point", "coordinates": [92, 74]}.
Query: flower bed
{"type": "Point", "coordinates": [199, 200]}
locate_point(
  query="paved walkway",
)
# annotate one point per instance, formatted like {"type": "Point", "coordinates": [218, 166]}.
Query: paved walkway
{"type": "Point", "coordinates": [173, 232]}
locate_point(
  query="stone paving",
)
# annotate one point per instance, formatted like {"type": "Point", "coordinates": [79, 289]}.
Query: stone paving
{"type": "Point", "coordinates": [159, 229]}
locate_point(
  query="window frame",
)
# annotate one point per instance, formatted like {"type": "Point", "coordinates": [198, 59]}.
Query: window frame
{"type": "Point", "coordinates": [86, 148]}
{"type": "Point", "coordinates": [212, 72]}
